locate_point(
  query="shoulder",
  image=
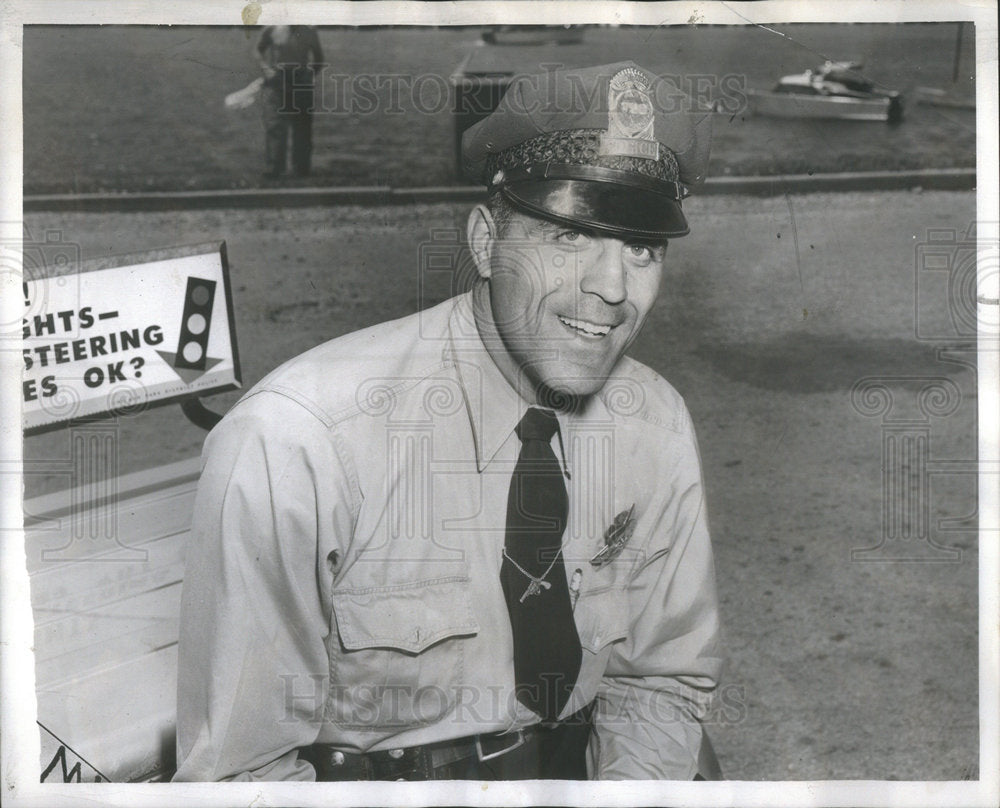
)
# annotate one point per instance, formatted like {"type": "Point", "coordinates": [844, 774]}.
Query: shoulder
{"type": "Point", "coordinates": [332, 381]}
{"type": "Point", "coordinates": [641, 395]}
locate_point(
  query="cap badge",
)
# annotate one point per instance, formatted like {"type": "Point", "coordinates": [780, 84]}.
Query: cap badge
{"type": "Point", "coordinates": [630, 109]}
{"type": "Point", "coordinates": [630, 116]}
{"type": "Point", "coordinates": [615, 538]}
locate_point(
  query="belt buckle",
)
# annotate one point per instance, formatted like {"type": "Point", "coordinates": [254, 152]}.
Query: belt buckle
{"type": "Point", "coordinates": [519, 741]}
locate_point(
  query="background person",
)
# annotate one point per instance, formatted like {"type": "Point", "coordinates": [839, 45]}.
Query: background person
{"type": "Point", "coordinates": [289, 55]}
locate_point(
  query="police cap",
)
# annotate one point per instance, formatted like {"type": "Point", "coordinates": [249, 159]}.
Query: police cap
{"type": "Point", "coordinates": [611, 148]}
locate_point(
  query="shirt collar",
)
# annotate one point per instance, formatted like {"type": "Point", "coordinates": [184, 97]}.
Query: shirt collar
{"type": "Point", "coordinates": [494, 407]}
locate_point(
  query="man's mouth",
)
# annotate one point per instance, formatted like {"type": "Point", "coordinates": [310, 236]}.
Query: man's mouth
{"type": "Point", "coordinates": [585, 327]}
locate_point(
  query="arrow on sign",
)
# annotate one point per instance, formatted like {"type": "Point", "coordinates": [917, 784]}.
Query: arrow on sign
{"type": "Point", "coordinates": [187, 375]}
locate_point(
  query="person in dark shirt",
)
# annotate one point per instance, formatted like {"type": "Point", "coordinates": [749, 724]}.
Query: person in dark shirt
{"type": "Point", "coordinates": [289, 57]}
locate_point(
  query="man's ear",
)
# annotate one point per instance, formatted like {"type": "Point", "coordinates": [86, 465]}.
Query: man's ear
{"type": "Point", "coordinates": [481, 232]}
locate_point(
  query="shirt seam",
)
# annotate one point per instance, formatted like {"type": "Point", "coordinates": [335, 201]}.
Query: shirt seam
{"type": "Point", "coordinates": [370, 590]}
{"type": "Point", "coordinates": [336, 417]}
{"type": "Point", "coordinates": [677, 424]}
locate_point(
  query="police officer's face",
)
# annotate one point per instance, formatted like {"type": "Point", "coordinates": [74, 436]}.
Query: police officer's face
{"type": "Point", "coordinates": [566, 302]}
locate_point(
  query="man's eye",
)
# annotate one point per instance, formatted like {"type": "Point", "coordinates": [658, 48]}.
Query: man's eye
{"type": "Point", "coordinates": [571, 237]}
{"type": "Point", "coordinates": [644, 253]}
{"type": "Point", "coordinates": [640, 252]}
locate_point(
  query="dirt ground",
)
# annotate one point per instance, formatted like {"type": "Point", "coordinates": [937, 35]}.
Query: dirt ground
{"type": "Point", "coordinates": [844, 661]}
{"type": "Point", "coordinates": [129, 109]}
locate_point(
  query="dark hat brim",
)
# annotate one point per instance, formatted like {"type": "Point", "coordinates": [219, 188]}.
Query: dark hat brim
{"type": "Point", "coordinates": [604, 207]}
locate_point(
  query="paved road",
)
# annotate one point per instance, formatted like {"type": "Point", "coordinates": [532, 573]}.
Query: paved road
{"type": "Point", "coordinates": [845, 662]}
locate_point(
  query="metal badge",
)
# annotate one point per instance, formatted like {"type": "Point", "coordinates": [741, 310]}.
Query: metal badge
{"type": "Point", "coordinates": [630, 106]}
{"type": "Point", "coordinates": [631, 116]}
{"type": "Point", "coordinates": [615, 538]}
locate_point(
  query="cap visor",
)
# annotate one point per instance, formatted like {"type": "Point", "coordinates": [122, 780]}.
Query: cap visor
{"type": "Point", "coordinates": [609, 208]}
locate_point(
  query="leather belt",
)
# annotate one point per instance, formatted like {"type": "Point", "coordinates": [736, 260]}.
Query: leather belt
{"type": "Point", "coordinates": [413, 762]}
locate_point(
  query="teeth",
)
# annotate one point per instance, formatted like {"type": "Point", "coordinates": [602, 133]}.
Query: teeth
{"type": "Point", "coordinates": [587, 328]}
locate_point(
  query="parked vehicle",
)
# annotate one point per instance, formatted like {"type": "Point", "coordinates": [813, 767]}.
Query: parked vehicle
{"type": "Point", "coordinates": [833, 90]}
{"type": "Point", "coordinates": [533, 35]}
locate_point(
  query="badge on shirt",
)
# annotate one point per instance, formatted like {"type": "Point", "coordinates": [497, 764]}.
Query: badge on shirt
{"type": "Point", "coordinates": [615, 538]}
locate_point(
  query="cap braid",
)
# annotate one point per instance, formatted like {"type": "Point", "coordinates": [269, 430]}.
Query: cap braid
{"type": "Point", "coordinates": [579, 147]}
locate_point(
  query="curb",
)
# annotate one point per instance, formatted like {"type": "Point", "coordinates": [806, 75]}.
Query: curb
{"type": "Point", "coordinates": [935, 179]}
{"type": "Point", "coordinates": [946, 179]}
{"type": "Point", "coordinates": [251, 198]}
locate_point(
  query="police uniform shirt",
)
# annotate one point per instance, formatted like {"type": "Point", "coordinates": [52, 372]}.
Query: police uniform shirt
{"type": "Point", "coordinates": [342, 580]}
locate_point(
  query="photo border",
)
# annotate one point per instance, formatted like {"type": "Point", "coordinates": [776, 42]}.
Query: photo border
{"type": "Point", "coordinates": [20, 753]}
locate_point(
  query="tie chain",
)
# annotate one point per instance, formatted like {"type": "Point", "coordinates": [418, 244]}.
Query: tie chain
{"type": "Point", "coordinates": [537, 583]}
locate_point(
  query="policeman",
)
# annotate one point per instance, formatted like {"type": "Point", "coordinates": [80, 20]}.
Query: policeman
{"type": "Point", "coordinates": [472, 543]}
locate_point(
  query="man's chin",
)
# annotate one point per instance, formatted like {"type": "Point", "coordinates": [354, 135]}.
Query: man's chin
{"type": "Point", "coordinates": [567, 395]}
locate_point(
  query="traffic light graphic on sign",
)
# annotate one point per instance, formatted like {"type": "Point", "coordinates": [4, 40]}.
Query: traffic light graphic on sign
{"type": "Point", "coordinates": [191, 359]}
{"type": "Point", "coordinates": [192, 345]}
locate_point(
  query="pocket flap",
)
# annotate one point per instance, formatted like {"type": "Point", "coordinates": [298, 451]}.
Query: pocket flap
{"type": "Point", "coordinates": [410, 617]}
{"type": "Point", "coordinates": [601, 618]}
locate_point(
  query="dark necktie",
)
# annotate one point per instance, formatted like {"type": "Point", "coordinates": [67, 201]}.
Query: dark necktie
{"type": "Point", "coordinates": [547, 651]}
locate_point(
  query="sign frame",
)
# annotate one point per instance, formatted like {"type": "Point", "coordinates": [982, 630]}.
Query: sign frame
{"type": "Point", "coordinates": [135, 259]}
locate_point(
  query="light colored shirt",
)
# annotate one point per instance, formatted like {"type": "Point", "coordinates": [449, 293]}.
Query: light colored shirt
{"type": "Point", "coordinates": [343, 576]}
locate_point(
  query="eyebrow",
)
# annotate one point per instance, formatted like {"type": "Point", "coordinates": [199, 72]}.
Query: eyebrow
{"type": "Point", "coordinates": [652, 244]}
{"type": "Point", "coordinates": [539, 226]}
{"type": "Point", "coordinates": [545, 226]}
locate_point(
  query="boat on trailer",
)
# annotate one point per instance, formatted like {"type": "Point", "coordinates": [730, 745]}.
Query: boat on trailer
{"type": "Point", "coordinates": [833, 90]}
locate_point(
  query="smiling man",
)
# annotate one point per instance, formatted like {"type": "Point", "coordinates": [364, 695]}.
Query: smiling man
{"type": "Point", "coordinates": [565, 301]}
{"type": "Point", "coordinates": [472, 543]}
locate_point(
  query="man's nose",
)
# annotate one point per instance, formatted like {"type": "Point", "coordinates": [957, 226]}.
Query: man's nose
{"type": "Point", "coordinates": [604, 276]}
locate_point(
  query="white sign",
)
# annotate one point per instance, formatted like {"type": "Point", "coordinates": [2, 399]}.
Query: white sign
{"type": "Point", "coordinates": [113, 340]}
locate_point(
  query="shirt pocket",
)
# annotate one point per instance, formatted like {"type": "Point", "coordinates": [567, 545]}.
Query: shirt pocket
{"type": "Point", "coordinates": [397, 658]}
{"type": "Point", "coordinates": [601, 618]}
